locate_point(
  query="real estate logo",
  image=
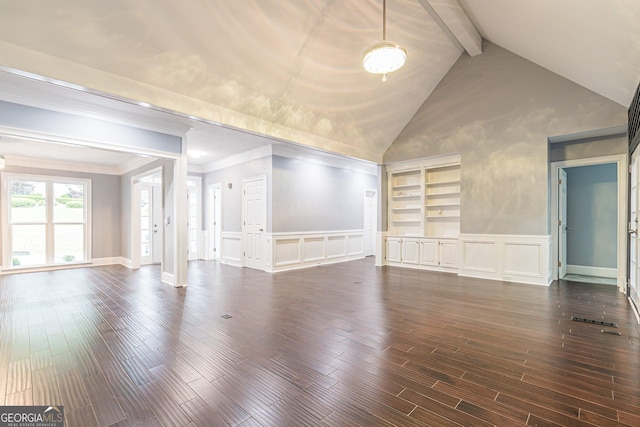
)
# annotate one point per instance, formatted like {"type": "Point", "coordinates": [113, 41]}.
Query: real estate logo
{"type": "Point", "coordinates": [31, 416]}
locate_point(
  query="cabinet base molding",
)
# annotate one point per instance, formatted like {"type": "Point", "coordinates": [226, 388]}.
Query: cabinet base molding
{"type": "Point", "coordinates": [509, 258]}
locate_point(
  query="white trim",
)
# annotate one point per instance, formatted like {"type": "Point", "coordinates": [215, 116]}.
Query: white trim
{"type": "Point", "coordinates": [294, 250]}
{"type": "Point", "coordinates": [621, 162]}
{"type": "Point", "coordinates": [134, 211]}
{"type": "Point", "coordinates": [212, 236]}
{"type": "Point", "coordinates": [585, 270]}
{"type": "Point", "coordinates": [97, 262]}
{"type": "Point", "coordinates": [509, 258]}
{"type": "Point", "coordinates": [61, 139]}
{"type": "Point", "coordinates": [424, 162]}
{"type": "Point", "coordinates": [169, 279]}
{"type": "Point", "coordinates": [126, 262]}
{"type": "Point", "coordinates": [60, 165]}
{"type": "Point", "coordinates": [236, 159]}
{"type": "Point", "coordinates": [198, 191]}
{"type": "Point", "coordinates": [380, 249]}
{"type": "Point", "coordinates": [49, 180]}
{"type": "Point", "coordinates": [325, 158]}
{"type": "Point", "coordinates": [231, 248]}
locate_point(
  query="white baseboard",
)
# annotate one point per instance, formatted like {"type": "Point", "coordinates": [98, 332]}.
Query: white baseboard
{"type": "Point", "coordinates": [108, 261]}
{"type": "Point", "coordinates": [168, 278]}
{"type": "Point", "coordinates": [585, 270]}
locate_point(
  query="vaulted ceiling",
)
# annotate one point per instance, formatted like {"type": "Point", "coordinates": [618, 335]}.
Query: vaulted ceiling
{"type": "Point", "coordinates": [292, 70]}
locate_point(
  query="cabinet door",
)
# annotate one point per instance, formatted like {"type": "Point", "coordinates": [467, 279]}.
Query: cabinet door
{"type": "Point", "coordinates": [410, 251]}
{"type": "Point", "coordinates": [394, 249]}
{"type": "Point", "coordinates": [449, 253]}
{"type": "Point", "coordinates": [429, 252]}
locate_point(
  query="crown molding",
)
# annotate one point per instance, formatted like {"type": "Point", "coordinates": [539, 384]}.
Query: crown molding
{"type": "Point", "coordinates": [61, 165]}
{"type": "Point", "coordinates": [236, 159]}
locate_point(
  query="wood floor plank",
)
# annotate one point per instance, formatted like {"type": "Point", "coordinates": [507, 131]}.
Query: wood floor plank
{"type": "Point", "coordinates": [347, 344]}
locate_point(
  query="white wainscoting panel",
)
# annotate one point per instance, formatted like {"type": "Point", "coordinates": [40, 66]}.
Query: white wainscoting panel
{"type": "Point", "coordinates": [286, 252]}
{"type": "Point", "coordinates": [231, 250]}
{"type": "Point", "coordinates": [511, 258]}
{"type": "Point", "coordinates": [313, 248]}
{"type": "Point", "coordinates": [355, 244]}
{"type": "Point", "coordinates": [479, 255]}
{"type": "Point", "coordinates": [336, 246]}
{"type": "Point", "coordinates": [298, 250]}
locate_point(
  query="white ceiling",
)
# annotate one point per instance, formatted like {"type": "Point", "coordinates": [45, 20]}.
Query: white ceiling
{"type": "Point", "coordinates": [291, 70]}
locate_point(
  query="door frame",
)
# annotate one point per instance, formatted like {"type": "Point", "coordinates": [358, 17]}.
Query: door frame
{"type": "Point", "coordinates": [135, 216]}
{"type": "Point", "coordinates": [373, 212]}
{"type": "Point", "coordinates": [263, 178]}
{"type": "Point", "coordinates": [214, 214]}
{"type": "Point", "coordinates": [198, 254]}
{"type": "Point", "coordinates": [621, 161]}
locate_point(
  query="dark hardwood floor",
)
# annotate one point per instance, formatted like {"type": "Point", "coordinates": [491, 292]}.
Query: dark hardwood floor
{"type": "Point", "coordinates": [342, 345]}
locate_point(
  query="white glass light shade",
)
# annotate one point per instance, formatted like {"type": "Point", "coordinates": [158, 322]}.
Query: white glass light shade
{"type": "Point", "coordinates": [384, 57]}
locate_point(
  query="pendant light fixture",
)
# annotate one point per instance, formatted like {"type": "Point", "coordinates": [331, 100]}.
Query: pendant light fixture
{"type": "Point", "coordinates": [385, 56]}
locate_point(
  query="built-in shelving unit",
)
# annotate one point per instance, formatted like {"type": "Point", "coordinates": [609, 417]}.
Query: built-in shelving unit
{"type": "Point", "coordinates": [424, 213]}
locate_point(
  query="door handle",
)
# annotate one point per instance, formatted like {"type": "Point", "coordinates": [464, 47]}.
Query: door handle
{"type": "Point", "coordinates": [567, 228]}
{"type": "Point", "coordinates": [633, 231]}
{"type": "Point", "coordinates": [260, 229]}
{"type": "Point", "coordinates": [155, 228]}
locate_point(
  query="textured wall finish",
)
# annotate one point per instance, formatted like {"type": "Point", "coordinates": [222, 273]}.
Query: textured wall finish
{"type": "Point", "coordinates": [497, 110]}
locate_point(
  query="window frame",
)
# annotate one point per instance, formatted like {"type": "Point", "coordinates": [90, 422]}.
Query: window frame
{"type": "Point", "coordinates": [7, 226]}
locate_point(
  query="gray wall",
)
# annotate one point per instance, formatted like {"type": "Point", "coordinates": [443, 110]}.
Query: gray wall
{"type": "Point", "coordinates": [584, 149]}
{"type": "Point", "coordinates": [314, 197]}
{"type": "Point", "coordinates": [84, 128]}
{"type": "Point", "coordinates": [497, 110]}
{"type": "Point", "coordinates": [232, 197]}
{"type": "Point", "coordinates": [592, 209]}
{"type": "Point", "coordinates": [105, 208]}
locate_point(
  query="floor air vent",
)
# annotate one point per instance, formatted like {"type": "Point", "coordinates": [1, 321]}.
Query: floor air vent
{"type": "Point", "coordinates": [595, 322]}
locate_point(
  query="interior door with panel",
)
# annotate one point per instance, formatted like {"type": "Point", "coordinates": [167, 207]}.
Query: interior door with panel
{"type": "Point", "coordinates": [562, 223]}
{"type": "Point", "coordinates": [634, 254]}
{"type": "Point", "coordinates": [254, 219]}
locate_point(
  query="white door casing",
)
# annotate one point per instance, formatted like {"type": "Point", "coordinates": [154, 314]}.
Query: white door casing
{"type": "Point", "coordinates": [254, 219]}
{"type": "Point", "coordinates": [562, 223]}
{"type": "Point", "coordinates": [214, 220]}
{"type": "Point", "coordinates": [634, 254]}
{"type": "Point", "coordinates": [370, 221]}
{"type": "Point", "coordinates": [194, 223]}
{"type": "Point", "coordinates": [621, 160]}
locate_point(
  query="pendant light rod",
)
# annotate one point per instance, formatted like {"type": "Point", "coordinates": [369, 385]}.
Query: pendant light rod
{"type": "Point", "coordinates": [384, 19]}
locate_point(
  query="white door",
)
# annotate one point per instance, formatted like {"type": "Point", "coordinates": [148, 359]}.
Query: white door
{"type": "Point", "coordinates": [214, 222]}
{"type": "Point", "coordinates": [156, 224]}
{"type": "Point", "coordinates": [634, 254]}
{"type": "Point", "coordinates": [194, 215]}
{"type": "Point", "coordinates": [146, 219]}
{"type": "Point", "coordinates": [562, 223]}
{"type": "Point", "coordinates": [370, 222]}
{"type": "Point", "coordinates": [150, 224]}
{"type": "Point", "coordinates": [254, 219]}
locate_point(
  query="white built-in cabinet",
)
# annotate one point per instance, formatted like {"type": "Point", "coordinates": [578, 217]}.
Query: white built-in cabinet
{"type": "Point", "coordinates": [424, 213]}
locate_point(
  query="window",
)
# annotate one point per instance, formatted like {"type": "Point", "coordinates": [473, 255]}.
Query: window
{"type": "Point", "coordinates": [45, 220]}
